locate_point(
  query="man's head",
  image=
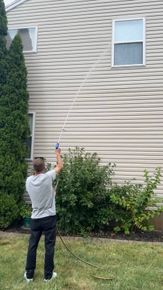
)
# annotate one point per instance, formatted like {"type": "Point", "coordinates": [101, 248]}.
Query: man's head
{"type": "Point", "coordinates": [39, 164]}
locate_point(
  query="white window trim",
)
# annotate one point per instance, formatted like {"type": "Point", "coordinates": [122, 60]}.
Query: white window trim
{"type": "Point", "coordinates": [113, 42]}
{"type": "Point", "coordinates": [36, 35]}
{"type": "Point", "coordinates": [33, 135]}
{"type": "Point", "coordinates": [13, 4]}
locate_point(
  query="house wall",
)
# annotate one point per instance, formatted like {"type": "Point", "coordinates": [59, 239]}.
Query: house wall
{"type": "Point", "coordinates": [119, 111]}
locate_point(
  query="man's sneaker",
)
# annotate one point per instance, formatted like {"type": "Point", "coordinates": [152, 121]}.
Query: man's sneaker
{"type": "Point", "coordinates": [53, 277]}
{"type": "Point", "coordinates": [27, 279]}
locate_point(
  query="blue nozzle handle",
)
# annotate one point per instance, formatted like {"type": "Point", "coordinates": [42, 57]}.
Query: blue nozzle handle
{"type": "Point", "coordinates": [57, 146]}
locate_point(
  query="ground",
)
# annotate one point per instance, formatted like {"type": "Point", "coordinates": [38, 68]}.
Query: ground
{"type": "Point", "coordinates": [122, 265]}
{"type": "Point", "coordinates": [154, 236]}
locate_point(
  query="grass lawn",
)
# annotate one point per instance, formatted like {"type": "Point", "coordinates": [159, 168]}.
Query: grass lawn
{"type": "Point", "coordinates": [131, 265]}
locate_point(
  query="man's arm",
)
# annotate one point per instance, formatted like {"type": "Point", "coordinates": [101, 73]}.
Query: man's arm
{"type": "Point", "coordinates": [59, 161]}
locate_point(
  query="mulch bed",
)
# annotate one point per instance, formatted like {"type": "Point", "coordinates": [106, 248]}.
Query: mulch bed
{"type": "Point", "coordinates": [154, 236]}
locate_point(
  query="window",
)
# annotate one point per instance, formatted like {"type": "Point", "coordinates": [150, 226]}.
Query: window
{"type": "Point", "coordinates": [28, 36]}
{"type": "Point", "coordinates": [31, 137]}
{"type": "Point", "coordinates": [128, 42]}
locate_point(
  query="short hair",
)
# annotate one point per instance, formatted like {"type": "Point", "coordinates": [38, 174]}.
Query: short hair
{"type": "Point", "coordinates": [38, 164]}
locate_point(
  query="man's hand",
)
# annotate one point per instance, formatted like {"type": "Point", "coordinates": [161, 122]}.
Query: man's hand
{"type": "Point", "coordinates": [58, 151]}
{"type": "Point", "coordinates": [59, 160]}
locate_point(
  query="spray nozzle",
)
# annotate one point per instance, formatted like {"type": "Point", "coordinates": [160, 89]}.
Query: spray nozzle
{"type": "Point", "coordinates": [57, 146]}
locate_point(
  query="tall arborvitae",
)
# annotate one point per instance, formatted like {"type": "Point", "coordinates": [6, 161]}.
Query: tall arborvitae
{"type": "Point", "coordinates": [3, 50]}
{"type": "Point", "coordinates": [17, 121]}
{"type": "Point", "coordinates": [14, 117]}
{"type": "Point", "coordinates": [3, 84]}
{"type": "Point", "coordinates": [3, 29]}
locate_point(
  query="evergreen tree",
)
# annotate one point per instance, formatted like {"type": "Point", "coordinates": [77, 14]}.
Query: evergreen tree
{"type": "Point", "coordinates": [3, 50]}
{"type": "Point", "coordinates": [3, 28]}
{"type": "Point", "coordinates": [3, 81]}
{"type": "Point", "coordinates": [14, 127]}
{"type": "Point", "coordinates": [16, 123]}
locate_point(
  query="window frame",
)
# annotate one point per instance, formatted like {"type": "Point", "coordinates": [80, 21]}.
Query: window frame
{"type": "Point", "coordinates": [141, 41]}
{"type": "Point", "coordinates": [36, 36]}
{"type": "Point", "coordinates": [32, 135]}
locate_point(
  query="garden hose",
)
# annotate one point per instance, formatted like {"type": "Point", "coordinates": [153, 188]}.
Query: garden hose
{"type": "Point", "coordinates": [75, 256]}
{"type": "Point", "coordinates": [83, 261]}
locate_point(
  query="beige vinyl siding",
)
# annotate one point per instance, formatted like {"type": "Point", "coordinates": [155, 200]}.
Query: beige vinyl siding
{"type": "Point", "coordinates": [119, 112]}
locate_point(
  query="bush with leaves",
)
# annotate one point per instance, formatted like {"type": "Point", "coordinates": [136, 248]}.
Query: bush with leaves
{"type": "Point", "coordinates": [14, 128]}
{"type": "Point", "coordinates": [9, 210]}
{"type": "Point", "coordinates": [25, 210]}
{"type": "Point", "coordinates": [81, 192]}
{"type": "Point", "coordinates": [134, 204]}
{"type": "Point", "coordinates": [88, 201]}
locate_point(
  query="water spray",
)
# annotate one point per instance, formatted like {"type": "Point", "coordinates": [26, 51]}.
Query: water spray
{"type": "Point", "coordinates": [78, 93]}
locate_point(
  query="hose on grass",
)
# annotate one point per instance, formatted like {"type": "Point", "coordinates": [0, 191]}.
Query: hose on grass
{"type": "Point", "coordinates": [75, 256]}
{"type": "Point", "coordinates": [82, 260]}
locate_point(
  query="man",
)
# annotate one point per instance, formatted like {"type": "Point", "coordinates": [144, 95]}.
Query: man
{"type": "Point", "coordinates": [43, 218]}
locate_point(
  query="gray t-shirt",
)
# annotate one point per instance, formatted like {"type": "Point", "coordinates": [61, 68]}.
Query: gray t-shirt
{"type": "Point", "coordinates": [42, 194]}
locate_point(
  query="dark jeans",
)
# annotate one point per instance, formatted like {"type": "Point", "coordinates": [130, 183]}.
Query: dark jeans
{"type": "Point", "coordinates": [47, 226]}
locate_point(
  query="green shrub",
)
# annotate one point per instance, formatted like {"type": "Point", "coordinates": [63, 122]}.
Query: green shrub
{"type": "Point", "coordinates": [8, 210]}
{"type": "Point", "coordinates": [81, 192]}
{"type": "Point", "coordinates": [14, 128]}
{"type": "Point", "coordinates": [88, 201]}
{"type": "Point", "coordinates": [134, 204]}
{"type": "Point", "coordinates": [25, 210]}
